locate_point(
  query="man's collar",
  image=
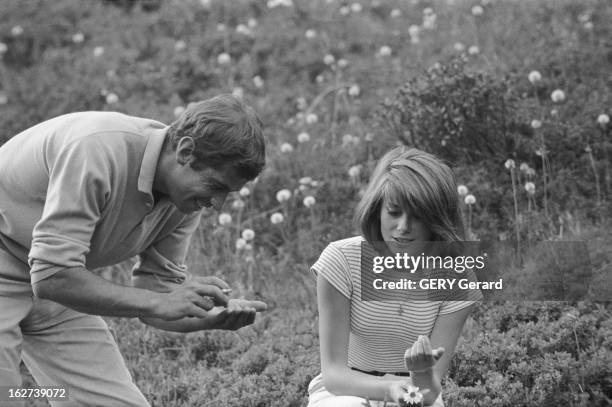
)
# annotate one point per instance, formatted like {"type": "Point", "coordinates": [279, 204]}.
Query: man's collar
{"type": "Point", "coordinates": [152, 153]}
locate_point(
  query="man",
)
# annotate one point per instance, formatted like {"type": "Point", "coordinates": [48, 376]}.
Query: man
{"type": "Point", "coordinates": [91, 189]}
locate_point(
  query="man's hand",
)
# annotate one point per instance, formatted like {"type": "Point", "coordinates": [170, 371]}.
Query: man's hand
{"type": "Point", "coordinates": [237, 314]}
{"type": "Point", "coordinates": [191, 299]}
{"type": "Point", "coordinates": [420, 356]}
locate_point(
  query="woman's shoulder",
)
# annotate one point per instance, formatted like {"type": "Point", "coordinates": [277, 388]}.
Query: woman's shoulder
{"type": "Point", "coordinates": [348, 243]}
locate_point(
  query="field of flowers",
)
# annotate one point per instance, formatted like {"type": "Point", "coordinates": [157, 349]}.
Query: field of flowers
{"type": "Point", "coordinates": [516, 95]}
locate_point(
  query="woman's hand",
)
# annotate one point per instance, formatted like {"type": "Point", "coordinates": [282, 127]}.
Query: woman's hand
{"type": "Point", "coordinates": [420, 356]}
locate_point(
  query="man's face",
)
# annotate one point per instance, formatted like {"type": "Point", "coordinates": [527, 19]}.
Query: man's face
{"type": "Point", "coordinates": [192, 190]}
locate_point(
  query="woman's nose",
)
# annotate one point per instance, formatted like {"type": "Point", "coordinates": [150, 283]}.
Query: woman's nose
{"type": "Point", "coordinates": [403, 223]}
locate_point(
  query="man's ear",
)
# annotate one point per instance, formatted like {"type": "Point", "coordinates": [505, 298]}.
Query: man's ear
{"type": "Point", "coordinates": [184, 150]}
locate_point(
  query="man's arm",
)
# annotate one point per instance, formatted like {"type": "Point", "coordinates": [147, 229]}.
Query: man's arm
{"type": "Point", "coordinates": [79, 289]}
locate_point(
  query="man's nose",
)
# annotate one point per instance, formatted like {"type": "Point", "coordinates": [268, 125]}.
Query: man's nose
{"type": "Point", "coordinates": [218, 201]}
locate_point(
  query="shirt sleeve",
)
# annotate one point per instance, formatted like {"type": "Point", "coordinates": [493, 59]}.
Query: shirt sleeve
{"type": "Point", "coordinates": [79, 187]}
{"type": "Point", "coordinates": [161, 267]}
{"type": "Point", "coordinates": [333, 266]}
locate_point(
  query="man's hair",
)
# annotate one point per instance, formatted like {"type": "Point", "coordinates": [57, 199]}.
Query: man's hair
{"type": "Point", "coordinates": [226, 132]}
{"type": "Point", "coordinates": [421, 184]}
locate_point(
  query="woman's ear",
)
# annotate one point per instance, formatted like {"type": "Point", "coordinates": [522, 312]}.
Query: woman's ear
{"type": "Point", "coordinates": [184, 150]}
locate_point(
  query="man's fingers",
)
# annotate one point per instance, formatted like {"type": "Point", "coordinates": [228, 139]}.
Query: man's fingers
{"type": "Point", "coordinates": [212, 291]}
{"type": "Point", "coordinates": [258, 305]}
{"type": "Point", "coordinates": [205, 303]}
{"type": "Point", "coordinates": [212, 280]}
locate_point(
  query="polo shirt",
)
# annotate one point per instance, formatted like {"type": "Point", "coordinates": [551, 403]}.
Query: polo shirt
{"type": "Point", "coordinates": [77, 191]}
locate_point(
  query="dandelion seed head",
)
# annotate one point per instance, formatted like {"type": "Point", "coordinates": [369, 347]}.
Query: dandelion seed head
{"type": "Point", "coordinates": [309, 201]}
{"type": "Point", "coordinates": [470, 199]}
{"type": "Point", "coordinates": [286, 148]}
{"type": "Point", "coordinates": [283, 195]}
{"type": "Point", "coordinates": [248, 234]}
{"type": "Point", "coordinates": [462, 190]}
{"type": "Point", "coordinates": [303, 137]}
{"type": "Point", "coordinates": [534, 76]}
{"type": "Point", "coordinates": [557, 96]}
{"type": "Point", "coordinates": [225, 219]}
{"type": "Point", "coordinates": [224, 58]}
{"type": "Point", "coordinates": [603, 119]}
{"type": "Point", "coordinates": [276, 218]}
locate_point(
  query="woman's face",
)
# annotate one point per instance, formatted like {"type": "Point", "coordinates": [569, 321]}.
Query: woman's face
{"type": "Point", "coordinates": [400, 228]}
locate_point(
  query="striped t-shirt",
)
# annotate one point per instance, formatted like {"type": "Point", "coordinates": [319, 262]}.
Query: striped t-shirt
{"type": "Point", "coordinates": [380, 331]}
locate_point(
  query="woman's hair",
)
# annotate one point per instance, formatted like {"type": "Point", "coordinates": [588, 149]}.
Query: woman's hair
{"type": "Point", "coordinates": [421, 184]}
{"type": "Point", "coordinates": [226, 132]}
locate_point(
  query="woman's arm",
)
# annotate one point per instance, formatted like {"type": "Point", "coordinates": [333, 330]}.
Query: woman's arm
{"type": "Point", "coordinates": [334, 327]}
{"type": "Point", "coordinates": [427, 362]}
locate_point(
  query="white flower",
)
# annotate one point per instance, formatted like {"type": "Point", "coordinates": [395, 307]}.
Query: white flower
{"type": "Point", "coordinates": [3, 98]}
{"type": "Point", "coordinates": [309, 201]}
{"type": "Point", "coordinates": [303, 137]}
{"type": "Point", "coordinates": [78, 38]}
{"type": "Point", "coordinates": [238, 204]}
{"type": "Point", "coordinates": [244, 191]}
{"type": "Point", "coordinates": [98, 51]}
{"type": "Point", "coordinates": [319, 78]}
{"type": "Point", "coordinates": [536, 124]}
{"type": "Point", "coordinates": [243, 29]}
{"type": "Point", "coordinates": [473, 50]}
{"type": "Point", "coordinates": [252, 22]}
{"type": "Point", "coordinates": [348, 139]}
{"type": "Point", "coordinates": [112, 98]}
{"type": "Point", "coordinates": [354, 171]}
{"type": "Point", "coordinates": [258, 82]}
{"type": "Point", "coordinates": [16, 31]}
{"type": "Point", "coordinates": [305, 180]}
{"type": "Point", "coordinates": [248, 234]}
{"type": "Point", "coordinates": [530, 188]}
{"type": "Point", "coordinates": [470, 199]}
{"type": "Point", "coordinates": [429, 21]}
{"type": "Point", "coordinates": [205, 3]}
{"type": "Point", "coordinates": [412, 396]}
{"type": "Point", "coordinates": [524, 167]}
{"type": "Point", "coordinates": [276, 218]}
{"type": "Point", "coordinates": [459, 47]}
{"type": "Point", "coordinates": [477, 10]}
{"type": "Point", "coordinates": [310, 34]}
{"type": "Point", "coordinates": [178, 111]}
{"type": "Point", "coordinates": [510, 164]}
{"type": "Point", "coordinates": [240, 243]}
{"type": "Point", "coordinates": [557, 96]}
{"type": "Point", "coordinates": [554, 112]}
{"type": "Point", "coordinates": [3, 48]}
{"type": "Point", "coordinates": [303, 188]}
{"type": "Point", "coordinates": [356, 7]}
{"type": "Point", "coordinates": [224, 58]}
{"type": "Point", "coordinates": [354, 90]}
{"type": "Point", "coordinates": [180, 45]}
{"type": "Point", "coordinates": [344, 10]}
{"type": "Point", "coordinates": [342, 63]}
{"type": "Point", "coordinates": [329, 59]}
{"type": "Point", "coordinates": [603, 119]}
{"type": "Point", "coordinates": [286, 148]}
{"type": "Point", "coordinates": [462, 190]}
{"type": "Point", "coordinates": [314, 183]}
{"type": "Point", "coordinates": [225, 219]}
{"type": "Point", "coordinates": [395, 13]}
{"type": "Point", "coordinates": [414, 30]}
{"type": "Point", "coordinates": [427, 11]}
{"type": "Point", "coordinates": [311, 118]}
{"type": "Point", "coordinates": [588, 25]}
{"type": "Point", "coordinates": [385, 51]}
{"type": "Point", "coordinates": [221, 27]}
{"type": "Point", "coordinates": [534, 76]}
{"type": "Point", "coordinates": [283, 195]}
{"type": "Point", "coordinates": [238, 92]}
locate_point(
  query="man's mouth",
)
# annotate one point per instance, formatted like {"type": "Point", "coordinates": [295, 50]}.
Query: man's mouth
{"type": "Point", "coordinates": [203, 203]}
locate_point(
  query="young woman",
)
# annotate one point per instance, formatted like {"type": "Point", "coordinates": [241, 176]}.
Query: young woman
{"type": "Point", "coordinates": [374, 350]}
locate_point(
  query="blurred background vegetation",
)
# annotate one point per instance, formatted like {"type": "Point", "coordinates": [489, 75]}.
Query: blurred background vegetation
{"type": "Point", "coordinates": [515, 95]}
